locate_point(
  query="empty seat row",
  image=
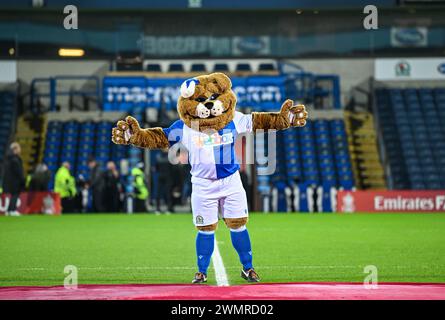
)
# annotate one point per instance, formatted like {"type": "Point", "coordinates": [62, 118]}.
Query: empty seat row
{"type": "Point", "coordinates": [412, 123]}
{"type": "Point", "coordinates": [77, 142]}
{"type": "Point", "coordinates": [217, 67]}
{"type": "Point", "coordinates": [316, 154]}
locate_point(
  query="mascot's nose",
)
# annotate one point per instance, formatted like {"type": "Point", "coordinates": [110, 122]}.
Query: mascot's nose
{"type": "Point", "coordinates": [209, 105]}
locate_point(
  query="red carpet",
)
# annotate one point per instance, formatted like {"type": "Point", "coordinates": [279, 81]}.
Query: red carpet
{"type": "Point", "coordinates": [283, 291]}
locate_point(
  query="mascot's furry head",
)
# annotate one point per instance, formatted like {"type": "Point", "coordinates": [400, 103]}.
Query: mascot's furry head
{"type": "Point", "coordinates": [207, 101]}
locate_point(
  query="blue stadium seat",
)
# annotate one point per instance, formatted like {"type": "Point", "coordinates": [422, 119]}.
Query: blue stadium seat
{"type": "Point", "coordinates": [266, 67]}
{"type": "Point", "coordinates": [153, 67]}
{"type": "Point", "coordinates": [198, 67]}
{"type": "Point", "coordinates": [243, 67]}
{"type": "Point", "coordinates": [176, 67]}
{"type": "Point", "coordinates": [221, 67]}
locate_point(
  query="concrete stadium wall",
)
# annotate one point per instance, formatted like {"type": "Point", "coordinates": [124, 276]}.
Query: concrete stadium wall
{"type": "Point", "coordinates": [80, 116]}
{"type": "Point", "coordinates": [30, 69]}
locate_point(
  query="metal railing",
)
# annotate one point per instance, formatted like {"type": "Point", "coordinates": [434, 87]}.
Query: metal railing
{"type": "Point", "coordinates": [54, 92]}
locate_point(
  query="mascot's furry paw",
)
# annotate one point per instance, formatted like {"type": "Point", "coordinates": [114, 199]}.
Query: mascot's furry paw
{"type": "Point", "coordinates": [126, 131]}
{"type": "Point", "coordinates": [297, 115]}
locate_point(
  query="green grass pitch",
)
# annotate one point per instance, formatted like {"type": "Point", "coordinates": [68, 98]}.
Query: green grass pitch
{"type": "Point", "coordinates": [146, 248]}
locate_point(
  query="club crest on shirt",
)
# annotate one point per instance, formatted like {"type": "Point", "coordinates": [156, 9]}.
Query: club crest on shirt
{"type": "Point", "coordinates": [213, 140]}
{"type": "Point", "coordinates": [199, 220]}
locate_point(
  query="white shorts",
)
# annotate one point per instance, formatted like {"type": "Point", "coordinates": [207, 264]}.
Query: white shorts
{"type": "Point", "coordinates": [213, 197]}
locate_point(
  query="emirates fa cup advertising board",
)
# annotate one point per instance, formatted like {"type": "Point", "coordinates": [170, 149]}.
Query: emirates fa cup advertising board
{"type": "Point", "coordinates": [391, 201]}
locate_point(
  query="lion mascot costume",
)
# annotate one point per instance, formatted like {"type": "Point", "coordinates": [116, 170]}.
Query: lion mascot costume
{"type": "Point", "coordinates": [207, 128]}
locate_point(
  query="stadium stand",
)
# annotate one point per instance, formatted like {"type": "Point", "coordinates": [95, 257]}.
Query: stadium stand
{"type": "Point", "coordinates": [65, 143]}
{"type": "Point", "coordinates": [316, 155]}
{"type": "Point", "coordinates": [411, 122]}
{"type": "Point", "coordinates": [7, 104]}
{"type": "Point", "coordinates": [313, 159]}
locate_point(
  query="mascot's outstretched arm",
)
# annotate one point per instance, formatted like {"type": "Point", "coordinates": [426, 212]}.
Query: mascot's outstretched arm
{"type": "Point", "coordinates": [128, 131]}
{"type": "Point", "coordinates": [288, 116]}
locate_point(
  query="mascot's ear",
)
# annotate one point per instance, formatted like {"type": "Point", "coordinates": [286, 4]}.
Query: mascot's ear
{"type": "Point", "coordinates": [221, 80]}
{"type": "Point", "coordinates": [188, 87]}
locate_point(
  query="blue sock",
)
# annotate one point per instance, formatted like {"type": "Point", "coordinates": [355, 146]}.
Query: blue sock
{"type": "Point", "coordinates": [205, 242]}
{"type": "Point", "coordinates": [241, 243]}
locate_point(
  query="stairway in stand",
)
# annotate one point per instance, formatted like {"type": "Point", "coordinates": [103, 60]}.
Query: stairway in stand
{"type": "Point", "coordinates": [31, 136]}
{"type": "Point", "coordinates": [365, 158]}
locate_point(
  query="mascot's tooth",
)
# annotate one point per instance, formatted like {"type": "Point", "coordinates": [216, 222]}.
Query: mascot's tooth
{"type": "Point", "coordinates": [216, 112]}
{"type": "Point", "coordinates": [202, 111]}
{"type": "Point", "coordinates": [217, 109]}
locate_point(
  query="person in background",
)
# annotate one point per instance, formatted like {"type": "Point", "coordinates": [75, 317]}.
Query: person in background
{"type": "Point", "coordinates": [312, 196]}
{"type": "Point", "coordinates": [112, 188]}
{"type": "Point", "coordinates": [81, 198]}
{"type": "Point", "coordinates": [65, 186]}
{"type": "Point", "coordinates": [246, 185]}
{"type": "Point", "coordinates": [184, 169]}
{"type": "Point", "coordinates": [96, 184]}
{"type": "Point", "coordinates": [165, 181]}
{"type": "Point", "coordinates": [140, 189]}
{"type": "Point", "coordinates": [40, 178]}
{"type": "Point", "coordinates": [14, 177]}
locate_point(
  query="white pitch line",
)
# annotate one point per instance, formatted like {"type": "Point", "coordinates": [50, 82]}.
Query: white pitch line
{"type": "Point", "coordinates": [220, 270]}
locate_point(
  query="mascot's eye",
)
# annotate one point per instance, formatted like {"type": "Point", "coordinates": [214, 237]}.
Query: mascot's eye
{"type": "Point", "coordinates": [214, 96]}
{"type": "Point", "coordinates": [200, 99]}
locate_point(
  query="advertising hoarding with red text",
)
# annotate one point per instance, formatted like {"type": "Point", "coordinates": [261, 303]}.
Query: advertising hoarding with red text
{"type": "Point", "coordinates": [391, 201]}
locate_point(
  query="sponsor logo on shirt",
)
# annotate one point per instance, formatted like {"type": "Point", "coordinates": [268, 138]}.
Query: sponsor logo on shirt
{"type": "Point", "coordinates": [213, 140]}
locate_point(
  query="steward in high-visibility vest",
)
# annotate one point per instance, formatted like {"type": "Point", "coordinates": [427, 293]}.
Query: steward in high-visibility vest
{"type": "Point", "coordinates": [65, 186]}
{"type": "Point", "coordinates": [140, 189]}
